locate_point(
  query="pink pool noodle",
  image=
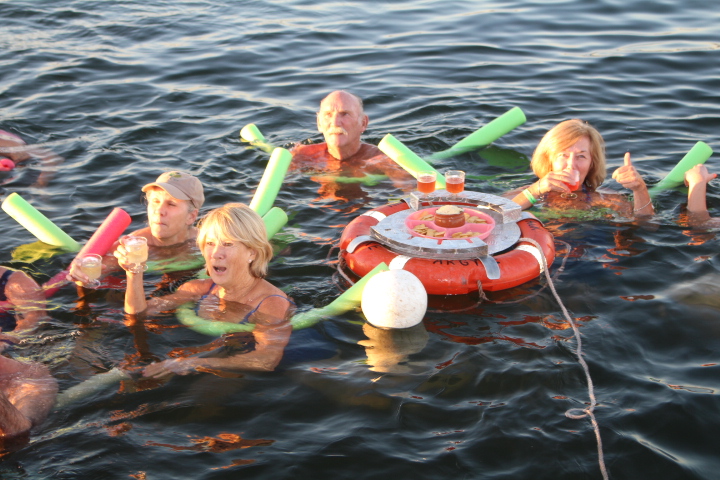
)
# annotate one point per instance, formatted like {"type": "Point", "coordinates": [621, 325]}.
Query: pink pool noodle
{"type": "Point", "coordinates": [101, 241]}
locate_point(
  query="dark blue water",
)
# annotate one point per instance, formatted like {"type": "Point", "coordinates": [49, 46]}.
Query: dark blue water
{"type": "Point", "coordinates": [126, 90]}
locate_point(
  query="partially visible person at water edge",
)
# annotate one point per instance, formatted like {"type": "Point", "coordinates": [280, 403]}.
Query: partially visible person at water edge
{"type": "Point", "coordinates": [27, 390]}
{"type": "Point", "coordinates": [173, 204]}
{"type": "Point", "coordinates": [233, 242]}
{"type": "Point", "coordinates": [27, 393]}
{"type": "Point", "coordinates": [697, 179]}
{"type": "Point", "coordinates": [342, 121]}
{"type": "Point", "coordinates": [17, 151]}
{"type": "Point", "coordinates": [570, 164]}
{"type": "Point", "coordinates": [22, 303]}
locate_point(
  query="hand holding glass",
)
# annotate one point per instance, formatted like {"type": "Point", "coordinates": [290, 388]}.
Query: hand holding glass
{"type": "Point", "coordinates": [455, 181]}
{"type": "Point", "coordinates": [137, 252]}
{"type": "Point", "coordinates": [91, 265]}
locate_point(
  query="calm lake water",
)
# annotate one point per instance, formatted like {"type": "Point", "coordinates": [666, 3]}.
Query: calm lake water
{"type": "Point", "coordinates": [126, 90]}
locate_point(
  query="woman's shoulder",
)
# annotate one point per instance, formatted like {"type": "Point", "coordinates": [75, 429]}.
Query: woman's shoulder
{"type": "Point", "coordinates": [273, 301]}
{"type": "Point", "coordinates": [197, 286]}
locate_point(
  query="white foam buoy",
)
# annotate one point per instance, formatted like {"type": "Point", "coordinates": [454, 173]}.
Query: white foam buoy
{"type": "Point", "coordinates": [394, 299]}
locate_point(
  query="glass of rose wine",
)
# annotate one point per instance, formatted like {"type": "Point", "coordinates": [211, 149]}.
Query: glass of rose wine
{"type": "Point", "coordinates": [575, 175]}
{"type": "Point", "coordinates": [455, 182]}
{"type": "Point", "coordinates": [426, 182]}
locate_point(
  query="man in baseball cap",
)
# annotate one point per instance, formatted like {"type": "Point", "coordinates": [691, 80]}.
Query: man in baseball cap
{"type": "Point", "coordinates": [180, 185]}
{"type": "Point", "coordinates": [173, 205]}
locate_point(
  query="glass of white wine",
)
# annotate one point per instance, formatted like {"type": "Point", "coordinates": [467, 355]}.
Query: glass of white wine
{"type": "Point", "coordinates": [137, 252]}
{"type": "Point", "coordinates": [91, 265]}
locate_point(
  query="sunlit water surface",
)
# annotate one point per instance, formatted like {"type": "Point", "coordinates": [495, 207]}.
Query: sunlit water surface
{"type": "Point", "coordinates": [126, 90]}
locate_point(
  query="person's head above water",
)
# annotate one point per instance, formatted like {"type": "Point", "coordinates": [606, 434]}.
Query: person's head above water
{"type": "Point", "coordinates": [342, 121]}
{"type": "Point", "coordinates": [240, 233]}
{"type": "Point", "coordinates": [174, 201]}
{"type": "Point", "coordinates": [572, 143]}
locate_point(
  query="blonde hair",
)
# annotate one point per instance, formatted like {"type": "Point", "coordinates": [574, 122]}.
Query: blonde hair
{"type": "Point", "coordinates": [238, 223]}
{"type": "Point", "coordinates": [561, 137]}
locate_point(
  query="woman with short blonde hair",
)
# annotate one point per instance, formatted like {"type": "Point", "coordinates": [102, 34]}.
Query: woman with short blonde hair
{"type": "Point", "coordinates": [233, 242]}
{"type": "Point", "coordinates": [238, 223]}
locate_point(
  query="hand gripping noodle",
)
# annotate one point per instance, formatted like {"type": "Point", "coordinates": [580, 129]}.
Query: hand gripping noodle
{"type": "Point", "coordinates": [700, 152]}
{"type": "Point", "coordinates": [271, 181]}
{"type": "Point", "coordinates": [250, 133]}
{"type": "Point", "coordinates": [407, 159]}
{"type": "Point", "coordinates": [100, 242]}
{"type": "Point", "coordinates": [349, 300]}
{"type": "Point", "coordinates": [485, 135]}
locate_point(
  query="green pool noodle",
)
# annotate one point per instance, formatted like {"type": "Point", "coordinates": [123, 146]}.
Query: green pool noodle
{"type": "Point", "coordinates": [175, 265]}
{"type": "Point", "coordinates": [271, 181]}
{"type": "Point", "coordinates": [37, 223]}
{"type": "Point", "coordinates": [485, 135]}
{"type": "Point", "coordinates": [349, 300]}
{"type": "Point", "coordinates": [407, 159]}
{"type": "Point", "coordinates": [698, 154]}
{"type": "Point", "coordinates": [90, 386]}
{"type": "Point", "coordinates": [369, 179]}
{"type": "Point", "coordinates": [250, 133]}
{"type": "Point", "coordinates": [275, 219]}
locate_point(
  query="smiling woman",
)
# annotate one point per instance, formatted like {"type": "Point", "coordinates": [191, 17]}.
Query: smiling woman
{"type": "Point", "coordinates": [571, 157]}
{"type": "Point", "coordinates": [234, 244]}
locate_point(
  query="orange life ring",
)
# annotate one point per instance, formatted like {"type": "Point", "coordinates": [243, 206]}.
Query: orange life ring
{"type": "Point", "coordinates": [518, 264]}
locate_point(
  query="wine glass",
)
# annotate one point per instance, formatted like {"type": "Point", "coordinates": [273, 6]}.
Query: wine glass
{"type": "Point", "coordinates": [426, 182]}
{"type": "Point", "coordinates": [91, 265]}
{"type": "Point", "coordinates": [137, 252]}
{"type": "Point", "coordinates": [454, 182]}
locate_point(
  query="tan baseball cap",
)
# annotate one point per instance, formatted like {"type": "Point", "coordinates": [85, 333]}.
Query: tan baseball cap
{"type": "Point", "coordinates": [180, 185]}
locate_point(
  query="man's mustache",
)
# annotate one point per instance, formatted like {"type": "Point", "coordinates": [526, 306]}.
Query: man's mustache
{"type": "Point", "coordinates": [336, 131]}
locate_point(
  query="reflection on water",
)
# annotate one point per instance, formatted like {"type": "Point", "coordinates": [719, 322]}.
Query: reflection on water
{"type": "Point", "coordinates": [124, 91]}
{"type": "Point", "coordinates": [388, 350]}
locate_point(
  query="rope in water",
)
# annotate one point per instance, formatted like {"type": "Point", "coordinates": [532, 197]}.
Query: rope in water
{"type": "Point", "coordinates": [577, 413]}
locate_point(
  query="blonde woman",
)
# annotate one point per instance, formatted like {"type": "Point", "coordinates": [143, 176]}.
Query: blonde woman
{"type": "Point", "coordinates": [569, 162]}
{"type": "Point", "coordinates": [234, 244]}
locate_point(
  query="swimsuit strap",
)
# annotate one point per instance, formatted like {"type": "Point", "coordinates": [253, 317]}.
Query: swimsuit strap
{"type": "Point", "coordinates": [3, 283]}
{"type": "Point", "coordinates": [261, 301]}
{"type": "Point", "coordinates": [197, 305]}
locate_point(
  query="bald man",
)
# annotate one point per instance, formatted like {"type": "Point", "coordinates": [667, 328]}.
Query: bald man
{"type": "Point", "coordinates": [342, 121]}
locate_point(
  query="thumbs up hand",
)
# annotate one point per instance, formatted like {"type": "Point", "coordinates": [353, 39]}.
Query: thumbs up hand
{"type": "Point", "coordinates": [628, 177]}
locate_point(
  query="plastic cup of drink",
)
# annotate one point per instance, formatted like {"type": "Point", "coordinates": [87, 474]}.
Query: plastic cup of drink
{"type": "Point", "coordinates": [137, 252]}
{"type": "Point", "coordinates": [91, 265]}
{"type": "Point", "coordinates": [575, 175]}
{"type": "Point", "coordinates": [426, 182]}
{"type": "Point", "coordinates": [455, 181]}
